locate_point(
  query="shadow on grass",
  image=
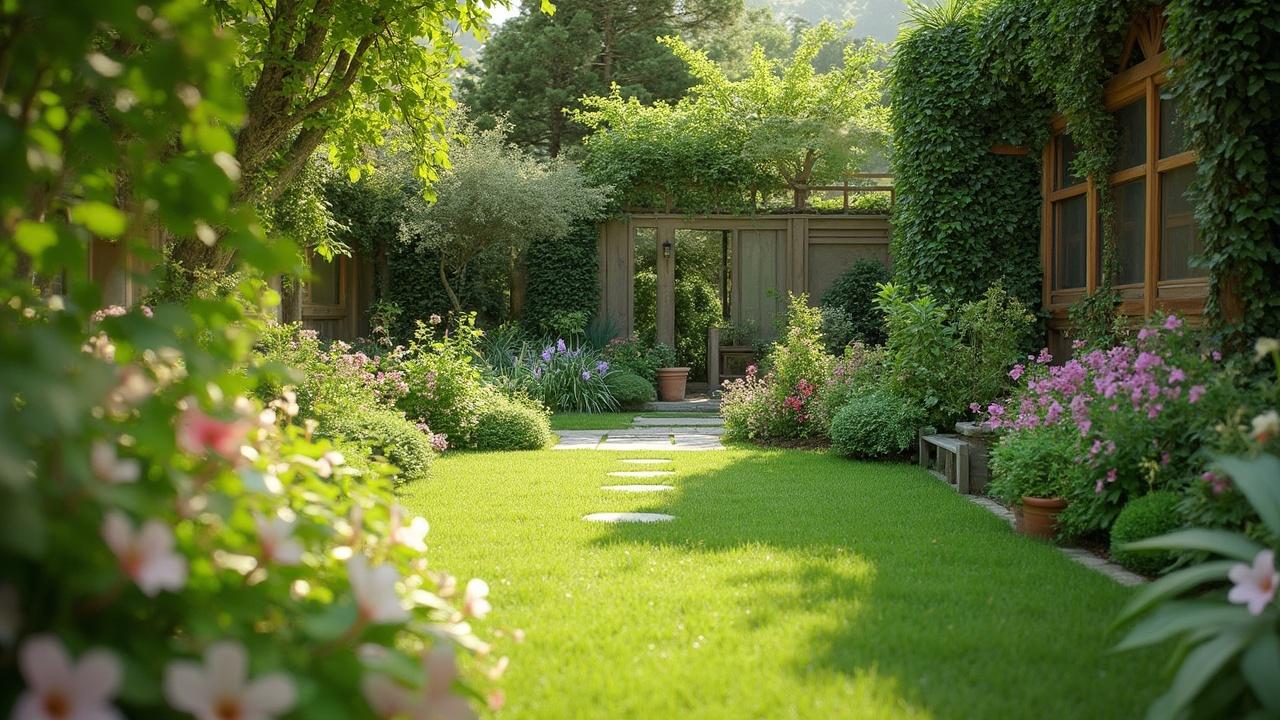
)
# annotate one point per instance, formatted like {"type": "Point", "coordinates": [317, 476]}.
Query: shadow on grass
{"type": "Point", "coordinates": [900, 578]}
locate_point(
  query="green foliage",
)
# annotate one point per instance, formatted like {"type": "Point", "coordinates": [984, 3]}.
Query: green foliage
{"type": "Point", "coordinates": [875, 425]}
{"type": "Point", "coordinates": [643, 359]}
{"type": "Point", "coordinates": [384, 433]}
{"type": "Point", "coordinates": [697, 306]}
{"type": "Point", "coordinates": [854, 295]}
{"type": "Point", "coordinates": [537, 65]}
{"type": "Point", "coordinates": [629, 389]}
{"type": "Point", "coordinates": [562, 279]}
{"type": "Point", "coordinates": [1145, 517]}
{"type": "Point", "coordinates": [494, 201]}
{"type": "Point", "coordinates": [964, 217]}
{"type": "Point", "coordinates": [505, 424]}
{"type": "Point", "coordinates": [995, 330]}
{"type": "Point", "coordinates": [783, 127]}
{"type": "Point", "coordinates": [150, 512]}
{"type": "Point", "coordinates": [1229, 655]}
{"type": "Point", "coordinates": [859, 371]}
{"type": "Point", "coordinates": [446, 387]}
{"type": "Point", "coordinates": [1037, 462]}
{"type": "Point", "coordinates": [1227, 85]}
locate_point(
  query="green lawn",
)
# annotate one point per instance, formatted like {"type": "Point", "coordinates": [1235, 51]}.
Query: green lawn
{"type": "Point", "coordinates": [610, 421]}
{"type": "Point", "coordinates": [792, 585]}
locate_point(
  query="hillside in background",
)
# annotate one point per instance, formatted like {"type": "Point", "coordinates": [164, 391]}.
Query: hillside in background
{"type": "Point", "coordinates": [875, 18]}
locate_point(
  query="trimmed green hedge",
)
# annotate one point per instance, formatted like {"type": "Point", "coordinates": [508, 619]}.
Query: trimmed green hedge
{"type": "Point", "coordinates": [384, 433]}
{"type": "Point", "coordinates": [1145, 517]}
{"type": "Point", "coordinates": [562, 279]}
{"type": "Point", "coordinates": [508, 425]}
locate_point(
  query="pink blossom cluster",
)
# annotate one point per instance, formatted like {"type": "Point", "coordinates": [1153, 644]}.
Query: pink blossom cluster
{"type": "Point", "coordinates": [798, 401]}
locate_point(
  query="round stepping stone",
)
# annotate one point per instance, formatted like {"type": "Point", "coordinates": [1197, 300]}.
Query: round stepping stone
{"type": "Point", "coordinates": [626, 517]}
{"type": "Point", "coordinates": [638, 488]}
{"type": "Point", "coordinates": [646, 461]}
{"type": "Point", "coordinates": [640, 473]}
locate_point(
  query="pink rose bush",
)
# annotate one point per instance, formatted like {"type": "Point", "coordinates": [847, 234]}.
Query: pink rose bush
{"type": "Point", "coordinates": [783, 403]}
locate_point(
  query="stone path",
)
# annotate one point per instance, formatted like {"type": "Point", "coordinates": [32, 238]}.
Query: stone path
{"type": "Point", "coordinates": [641, 473]}
{"type": "Point", "coordinates": [688, 434]}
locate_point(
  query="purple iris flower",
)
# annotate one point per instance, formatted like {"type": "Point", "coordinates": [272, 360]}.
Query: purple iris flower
{"type": "Point", "coordinates": [546, 354]}
{"type": "Point", "coordinates": [560, 346]}
{"type": "Point", "coordinates": [602, 367]}
{"type": "Point", "coordinates": [586, 374]}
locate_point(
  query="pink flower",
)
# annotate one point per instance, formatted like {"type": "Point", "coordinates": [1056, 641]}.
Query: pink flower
{"type": "Point", "coordinates": [375, 591]}
{"type": "Point", "coordinates": [1017, 371]}
{"type": "Point", "coordinates": [108, 467]}
{"type": "Point", "coordinates": [1217, 483]}
{"type": "Point", "coordinates": [220, 688]}
{"type": "Point", "coordinates": [1111, 475]}
{"type": "Point", "coordinates": [435, 701]}
{"type": "Point", "coordinates": [1195, 393]}
{"type": "Point", "coordinates": [1255, 586]}
{"type": "Point", "coordinates": [1176, 375]}
{"type": "Point", "coordinates": [199, 433]}
{"type": "Point", "coordinates": [59, 689]}
{"type": "Point", "coordinates": [276, 538]}
{"type": "Point", "coordinates": [413, 535]}
{"type": "Point", "coordinates": [1044, 358]}
{"type": "Point", "coordinates": [147, 555]}
{"type": "Point", "coordinates": [475, 601]}
{"type": "Point", "coordinates": [1173, 322]}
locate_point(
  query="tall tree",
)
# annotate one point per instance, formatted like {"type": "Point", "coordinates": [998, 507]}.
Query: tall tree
{"type": "Point", "coordinates": [536, 66]}
{"type": "Point", "coordinates": [338, 73]}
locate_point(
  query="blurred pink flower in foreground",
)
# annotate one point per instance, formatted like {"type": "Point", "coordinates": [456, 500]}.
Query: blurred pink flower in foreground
{"type": "Point", "coordinates": [199, 433]}
{"type": "Point", "coordinates": [220, 688]}
{"type": "Point", "coordinates": [145, 555]}
{"type": "Point", "coordinates": [275, 535]}
{"type": "Point", "coordinates": [475, 601]}
{"type": "Point", "coordinates": [60, 689]}
{"type": "Point", "coordinates": [1255, 586]}
{"type": "Point", "coordinates": [375, 591]}
{"type": "Point", "coordinates": [108, 467]}
{"type": "Point", "coordinates": [435, 701]}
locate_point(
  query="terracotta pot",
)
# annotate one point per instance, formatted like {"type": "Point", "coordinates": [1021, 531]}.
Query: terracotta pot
{"type": "Point", "coordinates": [1040, 516]}
{"type": "Point", "coordinates": [671, 382]}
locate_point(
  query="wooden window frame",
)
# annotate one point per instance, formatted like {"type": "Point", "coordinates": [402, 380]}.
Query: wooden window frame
{"type": "Point", "coordinates": [1141, 81]}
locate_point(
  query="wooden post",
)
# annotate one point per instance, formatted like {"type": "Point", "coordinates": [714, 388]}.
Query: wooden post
{"type": "Point", "coordinates": [666, 295]}
{"type": "Point", "coordinates": [962, 468]}
{"type": "Point", "coordinates": [713, 358]}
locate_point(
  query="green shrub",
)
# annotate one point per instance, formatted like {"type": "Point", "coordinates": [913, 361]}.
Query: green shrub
{"type": "Point", "coordinates": [1035, 462]}
{"type": "Point", "coordinates": [629, 389]}
{"type": "Point", "coordinates": [1145, 517]}
{"type": "Point", "coordinates": [859, 371]}
{"type": "Point", "coordinates": [853, 295]}
{"type": "Point", "coordinates": [873, 426]}
{"type": "Point", "coordinates": [446, 388]}
{"type": "Point", "coordinates": [643, 359]}
{"type": "Point", "coordinates": [505, 424]}
{"type": "Point", "coordinates": [563, 288]}
{"type": "Point", "coordinates": [387, 434]}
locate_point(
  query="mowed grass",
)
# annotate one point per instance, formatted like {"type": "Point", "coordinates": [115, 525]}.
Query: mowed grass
{"type": "Point", "coordinates": [792, 585]}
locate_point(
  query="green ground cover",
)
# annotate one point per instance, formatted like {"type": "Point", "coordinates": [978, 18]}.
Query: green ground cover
{"type": "Point", "coordinates": [792, 585]}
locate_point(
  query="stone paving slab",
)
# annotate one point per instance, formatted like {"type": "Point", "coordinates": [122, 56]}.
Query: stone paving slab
{"type": "Point", "coordinates": [579, 439]}
{"type": "Point", "coordinates": [641, 473]}
{"type": "Point", "coordinates": [622, 517]}
{"type": "Point", "coordinates": [665, 431]}
{"type": "Point", "coordinates": [638, 488]}
{"type": "Point", "coordinates": [713, 421]}
{"type": "Point", "coordinates": [658, 444]}
{"type": "Point", "coordinates": [695, 405]}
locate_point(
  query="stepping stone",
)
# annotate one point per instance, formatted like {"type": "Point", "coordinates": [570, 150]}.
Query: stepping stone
{"type": "Point", "coordinates": [641, 473]}
{"type": "Point", "coordinates": [626, 517]}
{"type": "Point", "coordinates": [638, 488]}
{"type": "Point", "coordinates": [659, 444]}
{"type": "Point", "coordinates": [713, 421]}
{"type": "Point", "coordinates": [646, 461]}
{"type": "Point", "coordinates": [579, 439]}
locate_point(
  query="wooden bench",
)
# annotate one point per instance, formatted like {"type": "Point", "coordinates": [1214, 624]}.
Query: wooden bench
{"type": "Point", "coordinates": [946, 457]}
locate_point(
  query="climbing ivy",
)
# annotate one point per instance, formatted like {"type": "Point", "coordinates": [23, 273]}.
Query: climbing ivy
{"type": "Point", "coordinates": [983, 74]}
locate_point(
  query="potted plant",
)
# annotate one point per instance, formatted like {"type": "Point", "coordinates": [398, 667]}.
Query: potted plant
{"type": "Point", "coordinates": [1030, 471]}
{"type": "Point", "coordinates": [671, 379]}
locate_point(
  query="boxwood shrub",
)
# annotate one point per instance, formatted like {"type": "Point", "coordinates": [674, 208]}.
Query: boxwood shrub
{"type": "Point", "coordinates": [1145, 517]}
{"type": "Point", "coordinates": [874, 425]}
{"type": "Point", "coordinates": [629, 389]}
{"type": "Point", "coordinates": [385, 433]}
{"type": "Point", "coordinates": [509, 425]}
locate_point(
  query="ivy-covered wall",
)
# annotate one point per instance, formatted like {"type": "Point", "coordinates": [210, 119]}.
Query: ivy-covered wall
{"type": "Point", "coordinates": [984, 74]}
{"type": "Point", "coordinates": [563, 282]}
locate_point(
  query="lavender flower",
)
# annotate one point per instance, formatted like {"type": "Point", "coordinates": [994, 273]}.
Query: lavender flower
{"type": "Point", "coordinates": [602, 367]}
{"type": "Point", "coordinates": [586, 374]}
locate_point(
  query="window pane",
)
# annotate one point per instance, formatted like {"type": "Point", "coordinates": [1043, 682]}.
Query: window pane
{"type": "Point", "coordinates": [1070, 242]}
{"type": "Point", "coordinates": [1131, 206]}
{"type": "Point", "coordinates": [1179, 241]}
{"type": "Point", "coordinates": [324, 281]}
{"type": "Point", "coordinates": [1066, 155]}
{"type": "Point", "coordinates": [1173, 135]}
{"type": "Point", "coordinates": [1131, 121]}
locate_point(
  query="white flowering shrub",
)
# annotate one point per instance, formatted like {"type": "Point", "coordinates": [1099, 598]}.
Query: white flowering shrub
{"type": "Point", "coordinates": [167, 547]}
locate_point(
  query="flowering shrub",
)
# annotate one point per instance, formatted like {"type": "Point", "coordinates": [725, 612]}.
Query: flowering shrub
{"type": "Point", "coordinates": [1132, 409]}
{"type": "Point", "coordinates": [168, 547]}
{"type": "Point", "coordinates": [782, 403]}
{"type": "Point", "coordinates": [1228, 639]}
{"type": "Point", "coordinates": [446, 385]}
{"type": "Point", "coordinates": [857, 372]}
{"type": "Point", "coordinates": [559, 376]}
{"type": "Point", "coordinates": [639, 357]}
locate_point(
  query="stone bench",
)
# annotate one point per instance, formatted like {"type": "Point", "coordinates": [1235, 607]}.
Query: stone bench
{"type": "Point", "coordinates": [946, 456]}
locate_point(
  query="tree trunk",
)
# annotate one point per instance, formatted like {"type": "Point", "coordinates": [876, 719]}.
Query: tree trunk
{"type": "Point", "coordinates": [519, 274]}
{"type": "Point", "coordinates": [448, 289]}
